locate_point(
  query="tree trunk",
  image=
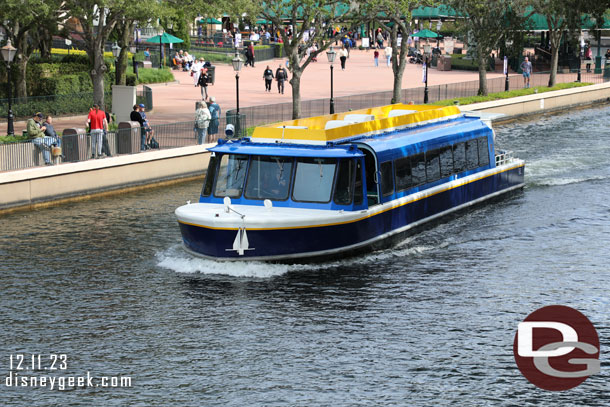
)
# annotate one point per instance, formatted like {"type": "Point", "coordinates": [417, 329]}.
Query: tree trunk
{"type": "Point", "coordinates": [21, 82]}
{"type": "Point", "coordinates": [97, 73]}
{"type": "Point", "coordinates": [45, 44]}
{"type": "Point", "coordinates": [482, 59]}
{"type": "Point", "coordinates": [121, 66]}
{"type": "Point", "coordinates": [554, 61]}
{"type": "Point", "coordinates": [295, 82]}
{"type": "Point", "coordinates": [397, 87]}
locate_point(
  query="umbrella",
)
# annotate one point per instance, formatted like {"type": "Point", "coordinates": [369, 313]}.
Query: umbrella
{"type": "Point", "coordinates": [210, 21]}
{"type": "Point", "coordinates": [426, 34]}
{"type": "Point", "coordinates": [164, 38]}
{"type": "Point", "coordinates": [262, 21]}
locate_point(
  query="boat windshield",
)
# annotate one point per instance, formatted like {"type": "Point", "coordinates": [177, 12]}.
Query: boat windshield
{"type": "Point", "coordinates": [314, 178]}
{"type": "Point", "coordinates": [269, 178]}
{"type": "Point", "coordinates": [231, 175]}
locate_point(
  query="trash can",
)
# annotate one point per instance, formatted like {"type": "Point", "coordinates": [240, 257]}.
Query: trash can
{"type": "Point", "coordinates": [75, 145]}
{"type": "Point", "coordinates": [444, 63]}
{"type": "Point", "coordinates": [238, 122]}
{"type": "Point", "coordinates": [128, 137]}
{"type": "Point", "coordinates": [211, 75]}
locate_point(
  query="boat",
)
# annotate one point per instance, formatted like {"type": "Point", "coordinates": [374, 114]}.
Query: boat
{"type": "Point", "coordinates": [331, 186]}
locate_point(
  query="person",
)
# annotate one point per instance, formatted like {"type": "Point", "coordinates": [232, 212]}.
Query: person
{"type": "Point", "coordinates": [588, 56]}
{"type": "Point", "coordinates": [388, 55]}
{"type": "Point", "coordinates": [135, 116]}
{"type": "Point", "coordinates": [50, 131]}
{"type": "Point", "coordinates": [203, 83]}
{"type": "Point", "coordinates": [202, 121]}
{"type": "Point", "coordinates": [343, 57]}
{"type": "Point", "coordinates": [526, 68]}
{"type": "Point", "coordinates": [268, 77]}
{"type": "Point", "coordinates": [215, 113]}
{"type": "Point", "coordinates": [148, 129]}
{"type": "Point", "coordinates": [379, 39]}
{"type": "Point", "coordinates": [105, 145]}
{"type": "Point", "coordinates": [147, 54]}
{"type": "Point", "coordinates": [250, 55]}
{"type": "Point", "coordinates": [607, 55]}
{"type": "Point", "coordinates": [196, 70]}
{"type": "Point", "coordinates": [376, 57]}
{"type": "Point", "coordinates": [280, 76]}
{"type": "Point", "coordinates": [36, 132]}
{"type": "Point", "coordinates": [96, 121]}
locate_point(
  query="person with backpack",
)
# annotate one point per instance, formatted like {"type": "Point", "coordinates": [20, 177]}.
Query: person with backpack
{"type": "Point", "coordinates": [215, 113]}
{"type": "Point", "coordinates": [203, 83]}
{"type": "Point", "coordinates": [202, 121]}
{"type": "Point", "coordinates": [280, 76]}
{"type": "Point", "coordinates": [268, 77]}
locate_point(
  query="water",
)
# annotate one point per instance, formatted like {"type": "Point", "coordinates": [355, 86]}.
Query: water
{"type": "Point", "coordinates": [431, 321]}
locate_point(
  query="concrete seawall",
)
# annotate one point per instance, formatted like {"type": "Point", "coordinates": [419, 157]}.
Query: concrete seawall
{"type": "Point", "coordinates": [30, 188]}
{"type": "Point", "coordinates": [39, 186]}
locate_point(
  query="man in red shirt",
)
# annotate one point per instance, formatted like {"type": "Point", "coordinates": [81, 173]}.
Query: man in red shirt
{"type": "Point", "coordinates": [97, 123]}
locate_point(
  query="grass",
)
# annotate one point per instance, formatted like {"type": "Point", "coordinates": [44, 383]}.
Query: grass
{"type": "Point", "coordinates": [154, 75]}
{"type": "Point", "coordinates": [510, 94]}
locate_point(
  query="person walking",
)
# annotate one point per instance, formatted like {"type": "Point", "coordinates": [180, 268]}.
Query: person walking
{"type": "Point", "coordinates": [202, 121]}
{"type": "Point", "coordinates": [281, 75]}
{"type": "Point", "coordinates": [203, 83]}
{"type": "Point", "coordinates": [343, 57]}
{"type": "Point", "coordinates": [196, 70]}
{"type": "Point", "coordinates": [268, 77]}
{"type": "Point", "coordinates": [215, 113]}
{"type": "Point", "coordinates": [388, 55]}
{"type": "Point", "coordinates": [376, 57]}
{"type": "Point", "coordinates": [96, 121]}
{"type": "Point", "coordinates": [526, 68]}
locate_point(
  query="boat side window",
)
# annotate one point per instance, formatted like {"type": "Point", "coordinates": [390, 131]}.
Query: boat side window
{"type": "Point", "coordinates": [358, 187]}
{"type": "Point", "coordinates": [387, 183]}
{"type": "Point", "coordinates": [344, 186]}
{"type": "Point", "coordinates": [446, 157]}
{"type": "Point", "coordinates": [433, 167]}
{"type": "Point", "coordinates": [472, 154]}
{"type": "Point", "coordinates": [402, 169]}
{"type": "Point", "coordinates": [459, 157]}
{"type": "Point", "coordinates": [483, 151]}
{"type": "Point", "coordinates": [269, 178]}
{"type": "Point", "coordinates": [209, 176]}
{"type": "Point", "coordinates": [418, 169]}
{"type": "Point", "coordinates": [313, 181]}
{"type": "Point", "coordinates": [231, 175]}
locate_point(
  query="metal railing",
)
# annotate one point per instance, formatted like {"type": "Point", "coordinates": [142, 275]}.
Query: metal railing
{"type": "Point", "coordinates": [77, 147]}
{"type": "Point", "coordinates": [503, 157]}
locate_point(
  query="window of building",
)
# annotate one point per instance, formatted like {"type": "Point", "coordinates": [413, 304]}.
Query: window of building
{"type": "Point", "coordinates": [231, 175]}
{"type": "Point", "coordinates": [313, 180]}
{"type": "Point", "coordinates": [269, 178]}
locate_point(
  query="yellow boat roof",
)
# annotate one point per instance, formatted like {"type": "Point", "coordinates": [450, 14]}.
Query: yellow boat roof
{"type": "Point", "coordinates": [344, 126]}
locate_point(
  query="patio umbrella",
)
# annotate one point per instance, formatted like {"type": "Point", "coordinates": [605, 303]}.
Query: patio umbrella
{"type": "Point", "coordinates": [164, 38]}
{"type": "Point", "coordinates": [427, 34]}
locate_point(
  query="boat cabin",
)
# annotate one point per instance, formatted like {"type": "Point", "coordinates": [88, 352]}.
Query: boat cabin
{"type": "Point", "coordinates": [349, 161]}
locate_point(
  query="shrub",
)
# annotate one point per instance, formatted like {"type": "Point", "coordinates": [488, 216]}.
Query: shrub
{"type": "Point", "coordinates": [152, 75]}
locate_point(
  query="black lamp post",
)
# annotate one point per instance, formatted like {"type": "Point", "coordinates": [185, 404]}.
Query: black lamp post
{"type": "Point", "coordinates": [237, 65]}
{"type": "Point", "coordinates": [8, 53]}
{"type": "Point", "coordinates": [506, 73]}
{"type": "Point", "coordinates": [580, 52]}
{"type": "Point", "coordinates": [116, 51]}
{"type": "Point", "coordinates": [426, 79]}
{"type": "Point", "coordinates": [331, 58]}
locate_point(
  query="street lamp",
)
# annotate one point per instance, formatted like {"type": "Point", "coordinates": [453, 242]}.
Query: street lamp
{"type": "Point", "coordinates": [237, 64]}
{"type": "Point", "coordinates": [506, 82]}
{"type": "Point", "coordinates": [116, 51]}
{"type": "Point", "coordinates": [580, 55]}
{"type": "Point", "coordinates": [425, 68]}
{"type": "Point", "coordinates": [8, 53]}
{"type": "Point", "coordinates": [331, 55]}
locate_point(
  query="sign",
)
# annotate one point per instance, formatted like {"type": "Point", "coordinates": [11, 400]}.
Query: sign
{"type": "Point", "coordinates": [365, 42]}
{"type": "Point", "coordinates": [556, 348]}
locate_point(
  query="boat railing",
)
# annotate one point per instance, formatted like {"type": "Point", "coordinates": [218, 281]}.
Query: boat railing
{"type": "Point", "coordinates": [503, 157]}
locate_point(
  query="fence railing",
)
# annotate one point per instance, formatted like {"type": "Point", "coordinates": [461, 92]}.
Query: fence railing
{"type": "Point", "coordinates": [78, 147]}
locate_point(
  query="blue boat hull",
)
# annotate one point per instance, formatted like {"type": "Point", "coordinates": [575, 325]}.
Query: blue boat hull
{"type": "Point", "coordinates": [314, 243]}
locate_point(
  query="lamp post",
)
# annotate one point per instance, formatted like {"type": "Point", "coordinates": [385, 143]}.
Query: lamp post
{"type": "Point", "coordinates": [8, 53]}
{"type": "Point", "coordinates": [133, 49]}
{"type": "Point", "coordinates": [506, 82]}
{"type": "Point", "coordinates": [580, 52]}
{"type": "Point", "coordinates": [331, 54]}
{"type": "Point", "coordinates": [425, 68]}
{"type": "Point", "coordinates": [116, 51]}
{"type": "Point", "coordinates": [237, 65]}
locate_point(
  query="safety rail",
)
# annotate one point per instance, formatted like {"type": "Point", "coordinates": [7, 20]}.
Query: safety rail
{"type": "Point", "coordinates": [503, 157]}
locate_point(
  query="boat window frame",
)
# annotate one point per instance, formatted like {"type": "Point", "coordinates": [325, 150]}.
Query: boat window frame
{"type": "Point", "coordinates": [390, 175]}
{"type": "Point", "coordinates": [413, 183]}
{"type": "Point", "coordinates": [359, 163]}
{"type": "Point", "coordinates": [476, 143]}
{"type": "Point", "coordinates": [465, 166]}
{"type": "Point", "coordinates": [332, 185]}
{"type": "Point", "coordinates": [214, 159]}
{"type": "Point", "coordinates": [448, 147]}
{"type": "Point", "coordinates": [438, 157]}
{"type": "Point", "coordinates": [485, 140]}
{"type": "Point", "coordinates": [290, 178]}
{"type": "Point", "coordinates": [352, 182]}
{"type": "Point", "coordinates": [245, 175]}
{"type": "Point", "coordinates": [409, 185]}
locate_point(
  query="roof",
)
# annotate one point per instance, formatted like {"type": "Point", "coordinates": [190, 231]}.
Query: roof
{"type": "Point", "coordinates": [341, 127]}
{"type": "Point", "coordinates": [244, 146]}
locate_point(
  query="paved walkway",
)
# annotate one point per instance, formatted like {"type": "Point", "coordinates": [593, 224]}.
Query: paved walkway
{"type": "Point", "coordinates": [176, 101]}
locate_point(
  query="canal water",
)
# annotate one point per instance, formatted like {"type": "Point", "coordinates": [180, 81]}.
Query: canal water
{"type": "Point", "coordinates": [432, 321]}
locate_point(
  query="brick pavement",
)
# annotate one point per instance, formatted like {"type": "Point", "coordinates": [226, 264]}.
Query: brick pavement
{"type": "Point", "coordinates": [176, 101]}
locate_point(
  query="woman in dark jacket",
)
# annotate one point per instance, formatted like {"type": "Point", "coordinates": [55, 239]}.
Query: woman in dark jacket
{"type": "Point", "coordinates": [203, 83]}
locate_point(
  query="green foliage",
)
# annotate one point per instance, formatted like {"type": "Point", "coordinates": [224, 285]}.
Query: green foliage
{"type": "Point", "coordinates": [215, 57]}
{"type": "Point", "coordinates": [465, 63]}
{"type": "Point", "coordinates": [75, 103]}
{"type": "Point", "coordinates": [153, 75]}
{"type": "Point", "coordinates": [13, 139]}
{"type": "Point", "coordinates": [509, 94]}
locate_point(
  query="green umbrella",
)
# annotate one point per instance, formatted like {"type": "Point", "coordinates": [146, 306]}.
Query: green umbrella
{"type": "Point", "coordinates": [426, 34]}
{"type": "Point", "coordinates": [164, 38]}
{"type": "Point", "coordinates": [209, 21]}
{"type": "Point", "coordinates": [262, 22]}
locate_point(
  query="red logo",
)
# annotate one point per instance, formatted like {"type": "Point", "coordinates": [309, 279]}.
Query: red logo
{"type": "Point", "coordinates": [556, 348]}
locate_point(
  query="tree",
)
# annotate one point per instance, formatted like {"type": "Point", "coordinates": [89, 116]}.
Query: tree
{"type": "Point", "coordinates": [21, 22]}
{"type": "Point", "coordinates": [488, 22]}
{"type": "Point", "coordinates": [311, 21]}
{"type": "Point", "coordinates": [392, 16]}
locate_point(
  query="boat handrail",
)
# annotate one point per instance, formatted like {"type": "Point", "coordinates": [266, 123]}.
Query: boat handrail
{"type": "Point", "coordinates": [503, 157]}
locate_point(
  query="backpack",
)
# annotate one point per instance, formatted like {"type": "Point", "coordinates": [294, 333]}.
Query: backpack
{"type": "Point", "coordinates": [153, 143]}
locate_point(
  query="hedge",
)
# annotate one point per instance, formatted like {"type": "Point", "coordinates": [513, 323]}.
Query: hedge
{"type": "Point", "coordinates": [465, 63]}
{"type": "Point", "coordinates": [77, 103]}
